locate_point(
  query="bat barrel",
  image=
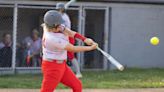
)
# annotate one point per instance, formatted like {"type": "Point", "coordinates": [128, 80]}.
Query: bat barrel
{"type": "Point", "coordinates": [111, 59]}
{"type": "Point", "coordinates": [120, 67]}
{"type": "Point", "coordinates": [117, 64]}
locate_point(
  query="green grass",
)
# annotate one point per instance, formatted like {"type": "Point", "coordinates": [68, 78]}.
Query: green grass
{"type": "Point", "coordinates": [130, 78]}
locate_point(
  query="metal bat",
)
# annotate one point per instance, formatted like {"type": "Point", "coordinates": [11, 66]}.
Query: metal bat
{"type": "Point", "coordinates": [111, 59]}
{"type": "Point", "coordinates": [68, 3]}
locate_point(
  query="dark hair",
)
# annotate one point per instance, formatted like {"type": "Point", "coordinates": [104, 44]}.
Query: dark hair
{"type": "Point", "coordinates": [35, 31]}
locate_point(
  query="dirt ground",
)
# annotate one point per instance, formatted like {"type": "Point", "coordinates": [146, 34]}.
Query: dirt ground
{"type": "Point", "coordinates": [90, 90]}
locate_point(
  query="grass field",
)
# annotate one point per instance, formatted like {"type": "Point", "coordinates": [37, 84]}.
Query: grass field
{"type": "Point", "coordinates": [130, 78]}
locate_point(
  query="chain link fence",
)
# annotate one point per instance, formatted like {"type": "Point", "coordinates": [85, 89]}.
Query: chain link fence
{"type": "Point", "coordinates": [25, 35]}
{"type": "Point", "coordinates": [21, 33]}
{"type": "Point", "coordinates": [29, 35]}
{"type": "Point", "coordinates": [20, 37]}
{"type": "Point", "coordinates": [6, 31]}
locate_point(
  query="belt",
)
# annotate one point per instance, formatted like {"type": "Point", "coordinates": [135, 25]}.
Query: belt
{"type": "Point", "coordinates": [53, 60]}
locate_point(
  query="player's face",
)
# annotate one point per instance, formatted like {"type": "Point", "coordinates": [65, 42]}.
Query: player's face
{"type": "Point", "coordinates": [62, 10]}
{"type": "Point", "coordinates": [7, 39]}
{"type": "Point", "coordinates": [58, 28]}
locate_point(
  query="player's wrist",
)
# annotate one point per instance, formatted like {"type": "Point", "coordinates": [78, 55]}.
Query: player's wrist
{"type": "Point", "coordinates": [89, 48]}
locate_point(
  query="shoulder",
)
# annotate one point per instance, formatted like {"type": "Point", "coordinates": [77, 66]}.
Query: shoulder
{"type": "Point", "coordinates": [40, 39]}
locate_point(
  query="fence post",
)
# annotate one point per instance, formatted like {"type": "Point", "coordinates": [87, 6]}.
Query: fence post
{"type": "Point", "coordinates": [15, 16]}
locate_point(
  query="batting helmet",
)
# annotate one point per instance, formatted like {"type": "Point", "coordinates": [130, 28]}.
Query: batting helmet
{"type": "Point", "coordinates": [60, 6]}
{"type": "Point", "coordinates": [53, 18]}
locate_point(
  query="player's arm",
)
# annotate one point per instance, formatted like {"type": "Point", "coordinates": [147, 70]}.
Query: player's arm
{"type": "Point", "coordinates": [72, 48]}
{"type": "Point", "coordinates": [76, 35]}
{"type": "Point", "coordinates": [64, 44]}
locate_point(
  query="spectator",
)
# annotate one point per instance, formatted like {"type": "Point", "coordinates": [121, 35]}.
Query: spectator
{"type": "Point", "coordinates": [19, 56]}
{"type": "Point", "coordinates": [32, 49]}
{"type": "Point", "coordinates": [6, 51]}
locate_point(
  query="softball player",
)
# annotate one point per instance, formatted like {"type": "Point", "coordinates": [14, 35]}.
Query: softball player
{"type": "Point", "coordinates": [71, 55]}
{"type": "Point", "coordinates": [55, 47]}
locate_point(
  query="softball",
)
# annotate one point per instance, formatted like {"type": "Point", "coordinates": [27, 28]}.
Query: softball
{"type": "Point", "coordinates": [154, 40]}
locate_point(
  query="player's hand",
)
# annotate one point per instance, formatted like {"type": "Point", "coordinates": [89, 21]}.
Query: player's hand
{"type": "Point", "coordinates": [89, 41]}
{"type": "Point", "coordinates": [94, 46]}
